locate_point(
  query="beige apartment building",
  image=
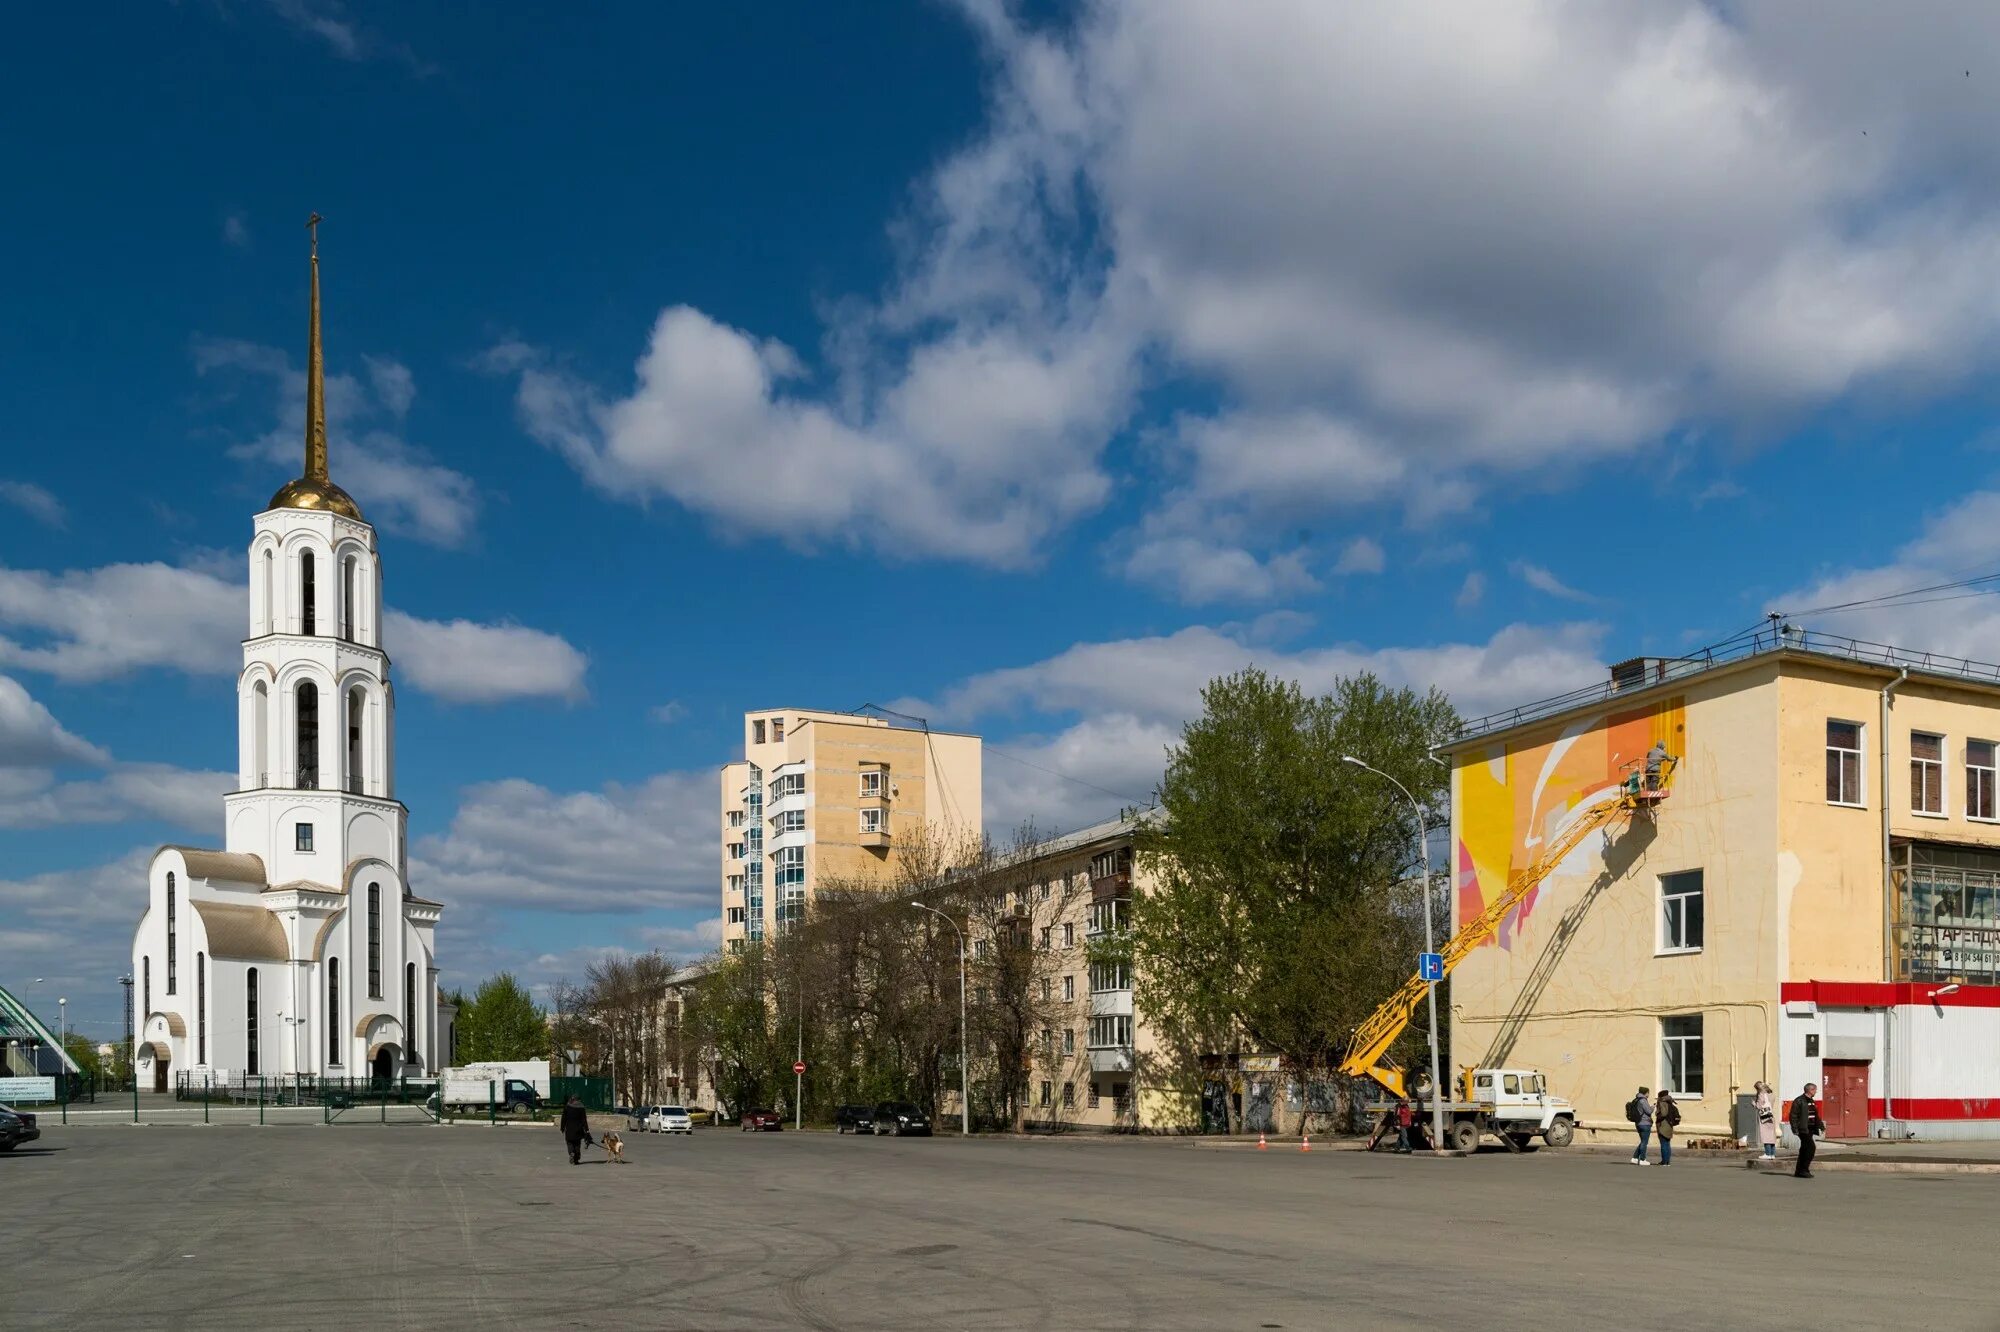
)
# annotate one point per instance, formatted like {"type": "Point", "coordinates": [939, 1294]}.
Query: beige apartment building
{"type": "Point", "coordinates": [828, 797]}
{"type": "Point", "coordinates": [1815, 900]}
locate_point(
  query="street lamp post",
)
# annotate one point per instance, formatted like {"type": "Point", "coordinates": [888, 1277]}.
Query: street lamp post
{"type": "Point", "coordinates": [1430, 944]}
{"type": "Point", "coordinates": [964, 1075]}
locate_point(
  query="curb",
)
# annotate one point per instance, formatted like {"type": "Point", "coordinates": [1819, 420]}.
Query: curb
{"type": "Point", "coordinates": [1885, 1167]}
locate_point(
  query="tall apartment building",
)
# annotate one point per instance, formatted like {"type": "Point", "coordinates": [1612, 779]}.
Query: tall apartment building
{"type": "Point", "coordinates": [1817, 900]}
{"type": "Point", "coordinates": [829, 796]}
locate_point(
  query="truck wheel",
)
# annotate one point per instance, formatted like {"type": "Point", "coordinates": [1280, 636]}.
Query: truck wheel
{"type": "Point", "coordinates": [1559, 1133]}
{"type": "Point", "coordinates": [1463, 1136]}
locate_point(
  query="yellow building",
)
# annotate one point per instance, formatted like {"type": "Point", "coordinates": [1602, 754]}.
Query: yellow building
{"type": "Point", "coordinates": [828, 796]}
{"type": "Point", "coordinates": [1815, 901]}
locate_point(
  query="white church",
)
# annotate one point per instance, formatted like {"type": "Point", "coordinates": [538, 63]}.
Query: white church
{"type": "Point", "coordinates": [298, 948]}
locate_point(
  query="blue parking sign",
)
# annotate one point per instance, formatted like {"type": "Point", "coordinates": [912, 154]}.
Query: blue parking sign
{"type": "Point", "coordinates": [1430, 966]}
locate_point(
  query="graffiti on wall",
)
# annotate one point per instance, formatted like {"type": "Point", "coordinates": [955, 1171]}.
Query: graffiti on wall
{"type": "Point", "coordinates": [1516, 798]}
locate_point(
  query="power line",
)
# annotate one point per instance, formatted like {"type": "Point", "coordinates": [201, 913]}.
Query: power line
{"type": "Point", "coordinates": [1886, 597]}
{"type": "Point", "coordinates": [1011, 758]}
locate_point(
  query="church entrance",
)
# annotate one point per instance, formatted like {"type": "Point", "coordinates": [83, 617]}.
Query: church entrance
{"type": "Point", "coordinates": [160, 1074]}
{"type": "Point", "coordinates": [383, 1064]}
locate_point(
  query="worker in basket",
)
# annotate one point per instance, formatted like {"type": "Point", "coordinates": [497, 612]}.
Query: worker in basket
{"type": "Point", "coordinates": [1651, 771]}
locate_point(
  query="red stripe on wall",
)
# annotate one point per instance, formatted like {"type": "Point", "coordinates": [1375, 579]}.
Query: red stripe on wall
{"type": "Point", "coordinates": [1936, 1107]}
{"type": "Point", "coordinates": [1887, 994]}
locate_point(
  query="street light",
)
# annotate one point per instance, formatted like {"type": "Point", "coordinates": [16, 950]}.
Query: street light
{"type": "Point", "coordinates": [1430, 945]}
{"type": "Point", "coordinates": [964, 1077]}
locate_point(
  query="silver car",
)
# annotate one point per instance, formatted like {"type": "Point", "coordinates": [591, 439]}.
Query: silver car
{"type": "Point", "coordinates": [668, 1119]}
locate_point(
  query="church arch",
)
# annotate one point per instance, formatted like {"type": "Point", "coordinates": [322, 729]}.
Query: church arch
{"type": "Point", "coordinates": [259, 775]}
{"type": "Point", "coordinates": [356, 712]}
{"type": "Point", "coordinates": [266, 590]}
{"type": "Point", "coordinates": [308, 593]}
{"type": "Point", "coordinates": [305, 734]}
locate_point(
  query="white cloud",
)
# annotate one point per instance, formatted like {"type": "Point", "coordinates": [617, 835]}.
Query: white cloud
{"type": "Point", "coordinates": [73, 928]}
{"type": "Point", "coordinates": [1535, 576]}
{"type": "Point", "coordinates": [31, 737]}
{"type": "Point", "coordinates": [181, 797]}
{"type": "Point", "coordinates": [617, 849]}
{"type": "Point", "coordinates": [35, 501]}
{"type": "Point", "coordinates": [668, 713]}
{"type": "Point", "coordinates": [86, 625]}
{"type": "Point", "coordinates": [1472, 591]}
{"type": "Point", "coordinates": [1403, 269]}
{"type": "Point", "coordinates": [236, 231]}
{"type": "Point", "coordinates": [483, 663]}
{"type": "Point", "coordinates": [327, 22]}
{"type": "Point", "coordinates": [396, 483]}
{"type": "Point", "coordinates": [1361, 556]}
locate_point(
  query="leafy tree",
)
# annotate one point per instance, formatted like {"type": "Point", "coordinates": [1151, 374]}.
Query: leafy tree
{"type": "Point", "coordinates": [1283, 908]}
{"type": "Point", "coordinates": [84, 1051]}
{"type": "Point", "coordinates": [501, 1021]}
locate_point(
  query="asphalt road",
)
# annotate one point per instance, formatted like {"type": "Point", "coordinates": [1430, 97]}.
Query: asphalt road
{"type": "Point", "coordinates": [369, 1226]}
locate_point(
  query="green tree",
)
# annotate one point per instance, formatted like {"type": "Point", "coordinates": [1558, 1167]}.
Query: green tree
{"type": "Point", "coordinates": [1284, 908]}
{"type": "Point", "coordinates": [84, 1051]}
{"type": "Point", "coordinates": [501, 1021]}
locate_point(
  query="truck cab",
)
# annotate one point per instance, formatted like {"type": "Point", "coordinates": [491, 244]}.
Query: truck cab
{"type": "Point", "coordinates": [1518, 1105]}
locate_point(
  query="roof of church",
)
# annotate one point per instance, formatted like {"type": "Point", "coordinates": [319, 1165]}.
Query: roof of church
{"type": "Point", "coordinates": [231, 866]}
{"type": "Point", "coordinates": [305, 886]}
{"type": "Point", "coordinates": [242, 931]}
{"type": "Point", "coordinates": [414, 900]}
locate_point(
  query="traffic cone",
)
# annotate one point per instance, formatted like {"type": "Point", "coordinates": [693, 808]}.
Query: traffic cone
{"type": "Point", "coordinates": [1260, 1143]}
{"type": "Point", "coordinates": [1305, 1141]}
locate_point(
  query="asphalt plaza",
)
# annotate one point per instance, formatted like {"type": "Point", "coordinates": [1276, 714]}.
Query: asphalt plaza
{"type": "Point", "coordinates": [408, 1226]}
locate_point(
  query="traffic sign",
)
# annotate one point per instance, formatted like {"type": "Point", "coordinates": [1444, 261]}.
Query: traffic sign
{"type": "Point", "coordinates": [799, 1067]}
{"type": "Point", "coordinates": [1430, 966]}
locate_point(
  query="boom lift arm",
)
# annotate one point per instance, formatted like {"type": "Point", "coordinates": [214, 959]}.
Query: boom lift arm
{"type": "Point", "coordinates": [1366, 1054]}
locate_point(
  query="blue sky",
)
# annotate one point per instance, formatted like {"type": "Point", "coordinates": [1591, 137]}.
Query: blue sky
{"type": "Point", "coordinates": [1021, 366]}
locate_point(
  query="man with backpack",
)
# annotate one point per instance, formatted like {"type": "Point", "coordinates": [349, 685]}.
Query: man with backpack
{"type": "Point", "coordinates": [1640, 1112]}
{"type": "Point", "coordinates": [1805, 1123]}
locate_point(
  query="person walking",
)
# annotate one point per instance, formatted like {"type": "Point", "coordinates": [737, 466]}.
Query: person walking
{"type": "Point", "coordinates": [1806, 1123]}
{"type": "Point", "coordinates": [1640, 1112]}
{"type": "Point", "coordinates": [575, 1128]}
{"type": "Point", "coordinates": [1666, 1118]}
{"type": "Point", "coordinates": [1767, 1121]}
{"type": "Point", "coordinates": [1403, 1120]}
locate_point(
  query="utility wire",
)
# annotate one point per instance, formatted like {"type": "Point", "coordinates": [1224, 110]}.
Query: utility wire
{"type": "Point", "coordinates": [995, 749]}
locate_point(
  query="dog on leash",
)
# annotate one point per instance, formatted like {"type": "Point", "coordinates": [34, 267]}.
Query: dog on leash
{"type": "Point", "coordinates": [614, 1147]}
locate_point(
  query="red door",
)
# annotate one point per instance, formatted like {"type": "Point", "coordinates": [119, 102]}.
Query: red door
{"type": "Point", "coordinates": [1844, 1100]}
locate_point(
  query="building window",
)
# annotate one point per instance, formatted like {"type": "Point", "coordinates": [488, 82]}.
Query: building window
{"type": "Point", "coordinates": [757, 731]}
{"type": "Point", "coordinates": [357, 770]}
{"type": "Point", "coordinates": [1093, 1096]}
{"type": "Point", "coordinates": [872, 820]}
{"type": "Point", "coordinates": [375, 941]}
{"type": "Point", "coordinates": [788, 784]}
{"type": "Point", "coordinates": [173, 938]}
{"type": "Point", "coordinates": [1045, 989]}
{"type": "Point", "coordinates": [1069, 1040]}
{"type": "Point", "coordinates": [1069, 989]}
{"type": "Point", "coordinates": [1926, 773]}
{"type": "Point", "coordinates": [1111, 1032]}
{"type": "Point", "coordinates": [302, 837]}
{"type": "Point", "coordinates": [1047, 931]}
{"type": "Point", "coordinates": [1680, 1054]}
{"type": "Point", "coordinates": [736, 915]}
{"type": "Point", "coordinates": [1979, 779]}
{"type": "Point", "coordinates": [1048, 1043]}
{"type": "Point", "coordinates": [979, 948]}
{"type": "Point", "coordinates": [1069, 1095]}
{"type": "Point", "coordinates": [201, 1008]}
{"type": "Point", "coordinates": [1046, 1089]}
{"type": "Point", "coordinates": [871, 781]}
{"type": "Point", "coordinates": [1069, 935]}
{"type": "Point", "coordinates": [1843, 763]}
{"type": "Point", "coordinates": [736, 850]}
{"type": "Point", "coordinates": [410, 1014]}
{"type": "Point", "coordinates": [250, 1023]}
{"type": "Point", "coordinates": [308, 616]}
{"type": "Point", "coordinates": [1681, 912]}
{"type": "Point", "coordinates": [1042, 891]}
{"type": "Point", "coordinates": [306, 731]}
{"type": "Point", "coordinates": [736, 818]}
{"type": "Point", "coordinates": [1107, 976]}
{"type": "Point", "coordinates": [777, 730]}
{"type": "Point", "coordinates": [347, 598]}
{"type": "Point", "coordinates": [333, 1010]}
{"type": "Point", "coordinates": [794, 820]}
{"type": "Point", "coordinates": [979, 994]}
{"type": "Point", "coordinates": [146, 988]}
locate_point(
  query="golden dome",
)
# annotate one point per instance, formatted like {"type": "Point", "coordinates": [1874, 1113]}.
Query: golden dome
{"type": "Point", "coordinates": [308, 493]}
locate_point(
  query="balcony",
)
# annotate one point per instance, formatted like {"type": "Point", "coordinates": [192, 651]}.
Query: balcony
{"type": "Point", "coordinates": [876, 837]}
{"type": "Point", "coordinates": [1108, 887]}
{"type": "Point", "coordinates": [1111, 1003]}
{"type": "Point", "coordinates": [1111, 1059]}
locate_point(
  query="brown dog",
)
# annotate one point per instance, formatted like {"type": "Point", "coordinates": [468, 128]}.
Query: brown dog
{"type": "Point", "coordinates": [614, 1146]}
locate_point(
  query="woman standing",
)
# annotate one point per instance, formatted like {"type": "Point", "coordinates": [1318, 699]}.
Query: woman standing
{"type": "Point", "coordinates": [1666, 1117]}
{"type": "Point", "coordinates": [1767, 1121]}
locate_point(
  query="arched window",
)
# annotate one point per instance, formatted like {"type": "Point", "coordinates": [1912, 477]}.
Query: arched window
{"type": "Point", "coordinates": [146, 990]}
{"type": "Point", "coordinates": [410, 1013]}
{"type": "Point", "coordinates": [347, 598]}
{"type": "Point", "coordinates": [250, 1023]}
{"type": "Point", "coordinates": [357, 702]}
{"type": "Point", "coordinates": [173, 940]}
{"type": "Point", "coordinates": [267, 621]}
{"type": "Point", "coordinates": [201, 1008]}
{"type": "Point", "coordinates": [260, 734]}
{"type": "Point", "coordinates": [308, 611]}
{"type": "Point", "coordinates": [307, 730]}
{"type": "Point", "coordinates": [333, 1010]}
{"type": "Point", "coordinates": [375, 941]}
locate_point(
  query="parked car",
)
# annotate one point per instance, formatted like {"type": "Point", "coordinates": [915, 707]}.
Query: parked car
{"type": "Point", "coordinates": [901, 1118]}
{"type": "Point", "coordinates": [668, 1119]}
{"type": "Point", "coordinates": [853, 1119]}
{"type": "Point", "coordinates": [16, 1127]}
{"type": "Point", "coordinates": [761, 1121]}
{"type": "Point", "coordinates": [701, 1116]}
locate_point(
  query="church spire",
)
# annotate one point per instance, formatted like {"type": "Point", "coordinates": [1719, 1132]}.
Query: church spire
{"type": "Point", "coordinates": [314, 489]}
{"type": "Point", "coordinates": [315, 374]}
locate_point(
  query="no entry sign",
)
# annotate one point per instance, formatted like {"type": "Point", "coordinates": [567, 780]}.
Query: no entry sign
{"type": "Point", "coordinates": [799, 1067]}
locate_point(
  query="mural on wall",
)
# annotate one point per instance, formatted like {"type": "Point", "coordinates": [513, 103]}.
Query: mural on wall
{"type": "Point", "coordinates": [1515, 799]}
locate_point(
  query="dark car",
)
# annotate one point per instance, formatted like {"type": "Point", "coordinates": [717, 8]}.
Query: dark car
{"type": "Point", "coordinates": [761, 1121]}
{"type": "Point", "coordinates": [901, 1118]}
{"type": "Point", "coordinates": [16, 1127]}
{"type": "Point", "coordinates": [853, 1119]}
